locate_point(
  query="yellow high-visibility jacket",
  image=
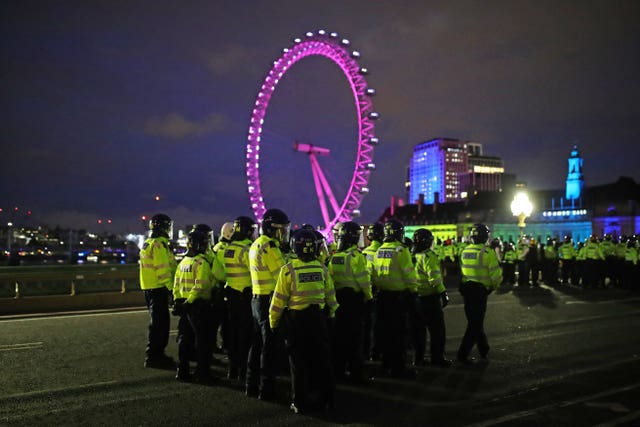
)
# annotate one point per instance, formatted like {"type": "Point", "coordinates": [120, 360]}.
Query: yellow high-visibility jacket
{"type": "Point", "coordinates": [479, 263]}
{"type": "Point", "coordinates": [299, 285]}
{"type": "Point", "coordinates": [157, 264]}
{"type": "Point", "coordinates": [194, 279]}
{"type": "Point", "coordinates": [348, 269]}
{"type": "Point", "coordinates": [265, 261]}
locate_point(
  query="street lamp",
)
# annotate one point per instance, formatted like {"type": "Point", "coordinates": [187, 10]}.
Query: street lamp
{"type": "Point", "coordinates": [521, 207]}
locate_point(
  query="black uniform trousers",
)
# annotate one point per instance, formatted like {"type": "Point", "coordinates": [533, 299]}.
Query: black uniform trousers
{"type": "Point", "coordinates": [194, 332]}
{"type": "Point", "coordinates": [430, 316]}
{"type": "Point", "coordinates": [218, 318]}
{"type": "Point", "coordinates": [158, 333]}
{"type": "Point", "coordinates": [392, 320]}
{"type": "Point", "coordinates": [550, 271]}
{"type": "Point", "coordinates": [568, 271]}
{"type": "Point", "coordinates": [475, 296]}
{"type": "Point", "coordinates": [368, 339]}
{"type": "Point", "coordinates": [239, 330]}
{"type": "Point", "coordinates": [509, 273]}
{"type": "Point", "coordinates": [307, 343]}
{"type": "Point", "coordinates": [629, 275]}
{"type": "Point", "coordinates": [348, 335]}
{"type": "Point", "coordinates": [262, 358]}
{"type": "Point", "coordinates": [524, 271]}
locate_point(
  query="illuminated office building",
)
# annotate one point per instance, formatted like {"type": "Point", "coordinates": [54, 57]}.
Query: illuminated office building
{"type": "Point", "coordinates": [453, 170]}
{"type": "Point", "coordinates": [434, 170]}
{"type": "Point", "coordinates": [485, 173]}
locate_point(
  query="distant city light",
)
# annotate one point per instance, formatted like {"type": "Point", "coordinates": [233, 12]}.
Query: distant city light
{"type": "Point", "coordinates": [157, 198]}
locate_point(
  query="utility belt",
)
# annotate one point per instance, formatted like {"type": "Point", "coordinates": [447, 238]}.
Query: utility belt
{"type": "Point", "coordinates": [258, 296]}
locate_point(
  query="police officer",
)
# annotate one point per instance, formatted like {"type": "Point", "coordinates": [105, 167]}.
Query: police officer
{"type": "Point", "coordinates": [333, 246]}
{"type": "Point", "coordinates": [567, 255]}
{"type": "Point", "coordinates": [348, 269]}
{"type": "Point", "coordinates": [608, 249]}
{"type": "Point", "coordinates": [304, 296]}
{"type": "Point", "coordinates": [194, 281]}
{"type": "Point", "coordinates": [481, 274]}
{"type": "Point", "coordinates": [157, 268]}
{"type": "Point", "coordinates": [265, 261]}
{"type": "Point", "coordinates": [550, 260]}
{"type": "Point", "coordinates": [432, 298]}
{"type": "Point", "coordinates": [509, 259]}
{"type": "Point", "coordinates": [630, 266]}
{"type": "Point", "coordinates": [523, 266]}
{"type": "Point", "coordinates": [593, 263]}
{"type": "Point", "coordinates": [237, 293]}
{"type": "Point", "coordinates": [375, 234]}
{"type": "Point", "coordinates": [217, 298]}
{"type": "Point", "coordinates": [394, 276]}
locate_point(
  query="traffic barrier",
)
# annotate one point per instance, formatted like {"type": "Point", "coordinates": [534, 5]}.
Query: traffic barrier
{"type": "Point", "coordinates": [54, 288]}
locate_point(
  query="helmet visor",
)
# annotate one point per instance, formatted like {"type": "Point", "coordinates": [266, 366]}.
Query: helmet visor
{"type": "Point", "coordinates": [282, 233]}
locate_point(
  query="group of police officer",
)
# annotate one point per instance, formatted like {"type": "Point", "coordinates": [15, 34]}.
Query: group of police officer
{"type": "Point", "coordinates": [595, 263]}
{"type": "Point", "coordinates": [334, 306]}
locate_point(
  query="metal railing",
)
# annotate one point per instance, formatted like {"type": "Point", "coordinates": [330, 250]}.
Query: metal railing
{"type": "Point", "coordinates": [18, 282]}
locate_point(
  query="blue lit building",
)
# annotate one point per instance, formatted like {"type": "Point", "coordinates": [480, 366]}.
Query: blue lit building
{"type": "Point", "coordinates": [575, 210]}
{"type": "Point", "coordinates": [434, 170]}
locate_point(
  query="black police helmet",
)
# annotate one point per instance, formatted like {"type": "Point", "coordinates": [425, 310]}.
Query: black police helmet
{"type": "Point", "coordinates": [305, 245]}
{"type": "Point", "coordinates": [393, 231]}
{"type": "Point", "coordinates": [348, 235]}
{"type": "Point", "coordinates": [204, 228]}
{"type": "Point", "coordinates": [160, 225]}
{"type": "Point", "coordinates": [274, 221]}
{"type": "Point", "coordinates": [198, 242]}
{"type": "Point", "coordinates": [422, 240]}
{"type": "Point", "coordinates": [479, 234]}
{"type": "Point", "coordinates": [375, 232]}
{"type": "Point", "coordinates": [243, 228]}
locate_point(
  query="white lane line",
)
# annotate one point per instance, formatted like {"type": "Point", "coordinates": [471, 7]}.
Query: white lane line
{"type": "Point", "coordinates": [71, 315]}
{"type": "Point", "coordinates": [551, 406]}
{"type": "Point", "coordinates": [21, 346]}
{"type": "Point", "coordinates": [49, 391]}
{"type": "Point", "coordinates": [622, 420]}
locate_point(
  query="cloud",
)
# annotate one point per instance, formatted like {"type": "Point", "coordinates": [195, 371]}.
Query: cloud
{"type": "Point", "coordinates": [176, 126]}
{"type": "Point", "coordinates": [229, 60]}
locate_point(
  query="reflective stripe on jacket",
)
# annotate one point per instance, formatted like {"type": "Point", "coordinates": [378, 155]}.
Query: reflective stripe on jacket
{"type": "Point", "coordinates": [348, 269]}
{"type": "Point", "coordinates": [194, 279]}
{"type": "Point", "coordinates": [157, 264]}
{"type": "Point", "coordinates": [428, 273]}
{"type": "Point", "coordinates": [479, 263]}
{"type": "Point", "coordinates": [236, 263]}
{"type": "Point", "coordinates": [567, 251]}
{"type": "Point", "coordinates": [301, 284]}
{"type": "Point", "coordinates": [265, 261]}
{"type": "Point", "coordinates": [393, 269]}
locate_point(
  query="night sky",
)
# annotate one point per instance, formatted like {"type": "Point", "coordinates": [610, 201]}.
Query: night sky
{"type": "Point", "coordinates": [106, 104]}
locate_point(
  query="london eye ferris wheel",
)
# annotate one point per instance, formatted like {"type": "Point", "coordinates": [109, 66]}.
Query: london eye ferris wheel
{"type": "Point", "coordinates": [337, 49]}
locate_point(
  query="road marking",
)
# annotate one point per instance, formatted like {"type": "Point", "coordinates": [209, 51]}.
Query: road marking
{"type": "Point", "coordinates": [22, 346]}
{"type": "Point", "coordinates": [76, 314]}
{"type": "Point", "coordinates": [46, 392]}
{"type": "Point", "coordinates": [541, 409]}
{"type": "Point", "coordinates": [622, 420]}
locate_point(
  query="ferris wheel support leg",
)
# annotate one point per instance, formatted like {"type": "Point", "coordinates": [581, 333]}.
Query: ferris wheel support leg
{"type": "Point", "coordinates": [318, 185]}
{"type": "Point", "coordinates": [325, 185]}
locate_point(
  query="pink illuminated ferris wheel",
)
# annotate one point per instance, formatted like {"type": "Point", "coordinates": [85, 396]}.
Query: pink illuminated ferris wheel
{"type": "Point", "coordinates": [337, 49]}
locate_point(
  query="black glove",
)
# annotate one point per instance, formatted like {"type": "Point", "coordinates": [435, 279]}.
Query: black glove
{"type": "Point", "coordinates": [179, 307]}
{"type": "Point", "coordinates": [444, 297]}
